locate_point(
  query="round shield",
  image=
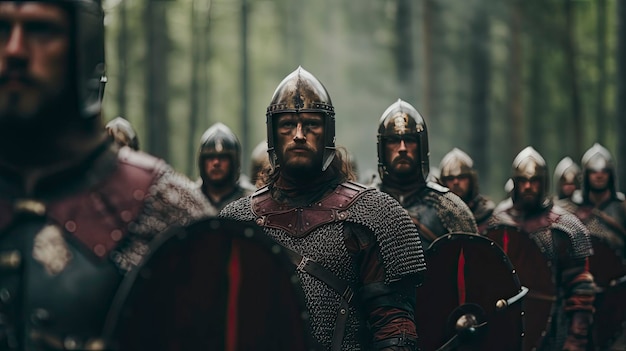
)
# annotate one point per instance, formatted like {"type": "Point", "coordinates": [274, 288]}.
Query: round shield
{"type": "Point", "coordinates": [535, 273]}
{"type": "Point", "coordinates": [608, 268]}
{"type": "Point", "coordinates": [216, 285]}
{"type": "Point", "coordinates": [470, 298]}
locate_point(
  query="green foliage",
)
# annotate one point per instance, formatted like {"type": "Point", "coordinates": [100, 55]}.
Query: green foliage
{"type": "Point", "coordinates": [351, 50]}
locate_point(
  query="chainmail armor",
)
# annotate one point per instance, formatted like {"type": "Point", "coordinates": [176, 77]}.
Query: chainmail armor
{"type": "Point", "coordinates": [453, 213]}
{"type": "Point", "coordinates": [172, 200]}
{"type": "Point", "coordinates": [482, 208]}
{"type": "Point", "coordinates": [399, 245]}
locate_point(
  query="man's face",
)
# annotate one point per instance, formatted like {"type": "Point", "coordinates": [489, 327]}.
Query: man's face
{"type": "Point", "coordinates": [459, 185]}
{"type": "Point", "coordinates": [217, 168]}
{"type": "Point", "coordinates": [567, 189]}
{"type": "Point", "coordinates": [34, 46]}
{"type": "Point", "coordinates": [300, 142]}
{"type": "Point", "coordinates": [599, 180]}
{"type": "Point", "coordinates": [528, 192]}
{"type": "Point", "coordinates": [401, 154]}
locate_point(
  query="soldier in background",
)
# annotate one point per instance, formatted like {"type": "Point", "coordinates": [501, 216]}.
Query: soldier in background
{"type": "Point", "coordinates": [602, 209]}
{"type": "Point", "coordinates": [563, 243]}
{"type": "Point", "coordinates": [219, 163]}
{"type": "Point", "coordinates": [259, 162]}
{"type": "Point", "coordinates": [403, 167]}
{"type": "Point", "coordinates": [567, 178]}
{"type": "Point", "coordinates": [458, 175]}
{"type": "Point", "coordinates": [340, 234]}
{"type": "Point", "coordinates": [122, 133]}
{"type": "Point", "coordinates": [77, 213]}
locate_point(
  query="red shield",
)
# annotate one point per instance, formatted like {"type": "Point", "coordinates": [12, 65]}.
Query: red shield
{"type": "Point", "coordinates": [608, 266]}
{"type": "Point", "coordinates": [535, 273]}
{"type": "Point", "coordinates": [215, 285]}
{"type": "Point", "coordinates": [466, 276]}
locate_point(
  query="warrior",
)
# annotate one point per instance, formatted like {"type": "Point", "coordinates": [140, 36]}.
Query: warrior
{"type": "Point", "coordinates": [458, 174]}
{"type": "Point", "coordinates": [357, 254]}
{"type": "Point", "coordinates": [76, 211]}
{"type": "Point", "coordinates": [259, 162]}
{"type": "Point", "coordinates": [403, 167]}
{"type": "Point", "coordinates": [567, 177]}
{"type": "Point", "coordinates": [564, 246]}
{"type": "Point", "coordinates": [219, 163]}
{"type": "Point", "coordinates": [602, 209]}
{"type": "Point", "coordinates": [598, 199]}
{"type": "Point", "coordinates": [122, 133]}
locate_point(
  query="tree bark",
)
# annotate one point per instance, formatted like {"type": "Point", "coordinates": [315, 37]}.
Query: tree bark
{"type": "Point", "coordinates": [479, 93]}
{"type": "Point", "coordinates": [600, 116]}
{"type": "Point", "coordinates": [572, 75]}
{"type": "Point", "coordinates": [621, 93]}
{"type": "Point", "coordinates": [157, 82]}
{"type": "Point", "coordinates": [515, 98]}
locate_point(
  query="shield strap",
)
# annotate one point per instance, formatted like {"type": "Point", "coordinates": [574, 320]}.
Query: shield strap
{"type": "Point", "coordinates": [329, 278]}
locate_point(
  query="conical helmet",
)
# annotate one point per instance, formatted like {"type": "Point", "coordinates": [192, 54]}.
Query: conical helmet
{"type": "Point", "coordinates": [400, 119]}
{"type": "Point", "coordinates": [301, 92]}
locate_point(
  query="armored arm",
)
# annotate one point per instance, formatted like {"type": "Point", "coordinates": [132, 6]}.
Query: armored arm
{"type": "Point", "coordinates": [388, 308]}
{"type": "Point", "coordinates": [579, 295]}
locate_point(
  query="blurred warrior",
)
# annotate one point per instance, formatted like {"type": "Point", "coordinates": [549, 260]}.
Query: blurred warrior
{"type": "Point", "coordinates": [219, 162]}
{"type": "Point", "coordinates": [403, 166]}
{"type": "Point", "coordinates": [458, 175]}
{"type": "Point", "coordinates": [358, 256]}
{"type": "Point", "coordinates": [259, 163]}
{"type": "Point", "coordinates": [76, 212]}
{"type": "Point", "coordinates": [564, 245]}
{"type": "Point", "coordinates": [122, 133]}
{"type": "Point", "coordinates": [567, 177]}
{"type": "Point", "coordinates": [602, 209]}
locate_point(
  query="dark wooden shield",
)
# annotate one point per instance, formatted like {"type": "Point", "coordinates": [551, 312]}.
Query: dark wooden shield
{"type": "Point", "coordinates": [215, 285]}
{"type": "Point", "coordinates": [535, 273]}
{"type": "Point", "coordinates": [468, 274]}
{"type": "Point", "coordinates": [607, 266]}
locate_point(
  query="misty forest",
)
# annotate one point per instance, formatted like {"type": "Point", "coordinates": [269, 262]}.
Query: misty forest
{"type": "Point", "coordinates": [489, 77]}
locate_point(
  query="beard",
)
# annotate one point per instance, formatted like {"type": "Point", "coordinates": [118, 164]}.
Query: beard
{"type": "Point", "coordinates": [305, 166]}
{"type": "Point", "coordinates": [403, 167]}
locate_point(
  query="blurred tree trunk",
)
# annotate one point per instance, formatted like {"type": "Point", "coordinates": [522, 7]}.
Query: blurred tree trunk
{"type": "Point", "coordinates": [479, 92]}
{"type": "Point", "coordinates": [403, 50]}
{"type": "Point", "coordinates": [600, 116]}
{"type": "Point", "coordinates": [536, 93]}
{"type": "Point", "coordinates": [572, 76]}
{"type": "Point", "coordinates": [157, 82]}
{"type": "Point", "coordinates": [515, 99]}
{"type": "Point", "coordinates": [245, 85]}
{"type": "Point", "coordinates": [122, 57]}
{"type": "Point", "coordinates": [428, 82]}
{"type": "Point", "coordinates": [194, 83]}
{"type": "Point", "coordinates": [621, 93]}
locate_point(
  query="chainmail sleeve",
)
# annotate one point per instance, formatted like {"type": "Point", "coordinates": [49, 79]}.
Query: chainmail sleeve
{"type": "Point", "coordinates": [399, 241]}
{"type": "Point", "coordinates": [454, 214]}
{"type": "Point", "coordinates": [172, 199]}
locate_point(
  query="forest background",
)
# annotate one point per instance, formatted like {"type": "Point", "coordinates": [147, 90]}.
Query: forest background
{"type": "Point", "coordinates": [489, 76]}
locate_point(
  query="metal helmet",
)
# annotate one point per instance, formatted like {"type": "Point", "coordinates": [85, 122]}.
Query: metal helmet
{"type": "Point", "coordinates": [301, 92]}
{"type": "Point", "coordinates": [220, 140]}
{"type": "Point", "coordinates": [401, 118]}
{"type": "Point", "coordinates": [530, 164]}
{"type": "Point", "coordinates": [598, 158]}
{"type": "Point", "coordinates": [87, 39]}
{"type": "Point", "coordinates": [122, 132]}
{"type": "Point", "coordinates": [259, 160]}
{"type": "Point", "coordinates": [457, 163]}
{"type": "Point", "coordinates": [566, 172]}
